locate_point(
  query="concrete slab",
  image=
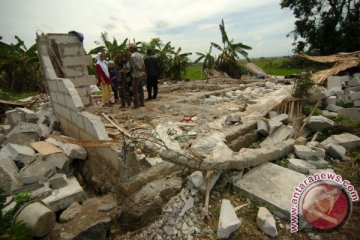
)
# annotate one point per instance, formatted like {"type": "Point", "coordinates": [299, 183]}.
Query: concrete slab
{"type": "Point", "coordinates": [271, 185]}
{"type": "Point", "coordinates": [59, 160]}
{"type": "Point", "coordinates": [319, 122]}
{"type": "Point", "coordinates": [336, 151]}
{"type": "Point", "coordinates": [346, 140]}
{"type": "Point", "coordinates": [262, 127]}
{"type": "Point", "coordinates": [335, 82]}
{"type": "Point", "coordinates": [355, 80]}
{"type": "Point", "coordinates": [153, 161]}
{"type": "Point", "coordinates": [280, 134]}
{"type": "Point", "coordinates": [14, 116]}
{"type": "Point", "coordinates": [63, 197]}
{"type": "Point", "coordinates": [309, 153]}
{"type": "Point", "coordinates": [58, 181]}
{"type": "Point", "coordinates": [300, 165]}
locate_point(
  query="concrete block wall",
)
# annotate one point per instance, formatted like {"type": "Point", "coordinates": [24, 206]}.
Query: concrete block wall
{"type": "Point", "coordinates": [104, 163]}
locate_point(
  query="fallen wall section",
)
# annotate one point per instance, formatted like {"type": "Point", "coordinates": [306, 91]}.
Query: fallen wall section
{"type": "Point", "coordinates": [104, 163]}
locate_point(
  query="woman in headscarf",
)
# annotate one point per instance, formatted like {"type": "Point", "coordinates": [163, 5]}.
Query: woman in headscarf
{"type": "Point", "coordinates": [103, 79]}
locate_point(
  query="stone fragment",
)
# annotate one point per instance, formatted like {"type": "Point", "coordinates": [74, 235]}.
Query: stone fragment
{"type": "Point", "coordinates": [328, 114]}
{"type": "Point", "coordinates": [280, 134]}
{"type": "Point", "coordinates": [355, 80]}
{"type": "Point", "coordinates": [262, 127]}
{"type": "Point", "coordinates": [8, 174]}
{"type": "Point", "coordinates": [228, 221]}
{"type": "Point", "coordinates": [331, 100]}
{"type": "Point", "coordinates": [346, 140]}
{"type": "Point", "coordinates": [266, 222]}
{"type": "Point", "coordinates": [189, 203]}
{"type": "Point", "coordinates": [196, 178]}
{"type": "Point", "coordinates": [60, 161]}
{"type": "Point", "coordinates": [352, 113]}
{"type": "Point", "coordinates": [14, 117]}
{"type": "Point", "coordinates": [336, 151]}
{"type": "Point", "coordinates": [5, 128]}
{"type": "Point", "coordinates": [23, 134]}
{"type": "Point", "coordinates": [308, 153]}
{"type": "Point", "coordinates": [153, 161]}
{"type": "Point", "coordinates": [40, 193]}
{"type": "Point", "coordinates": [319, 163]}
{"type": "Point", "coordinates": [63, 197]}
{"type": "Point", "coordinates": [355, 95]}
{"type": "Point", "coordinates": [333, 108]}
{"type": "Point", "coordinates": [300, 166]}
{"type": "Point", "coordinates": [335, 82]}
{"type": "Point", "coordinates": [73, 151]}
{"type": "Point", "coordinates": [43, 131]}
{"type": "Point", "coordinates": [37, 171]}
{"type": "Point", "coordinates": [314, 171]}
{"type": "Point", "coordinates": [19, 153]}
{"type": "Point", "coordinates": [319, 122]}
{"type": "Point", "coordinates": [71, 212]}
{"type": "Point", "coordinates": [150, 148]}
{"type": "Point", "coordinates": [58, 181]}
{"type": "Point", "coordinates": [213, 179]}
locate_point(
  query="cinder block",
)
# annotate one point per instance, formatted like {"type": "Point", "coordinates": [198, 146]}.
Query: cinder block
{"type": "Point", "coordinates": [65, 113]}
{"type": "Point", "coordinates": [86, 101]}
{"type": "Point", "coordinates": [77, 60]}
{"type": "Point", "coordinates": [53, 85]}
{"type": "Point", "coordinates": [82, 91]}
{"type": "Point", "coordinates": [335, 82]}
{"type": "Point", "coordinates": [69, 102]}
{"type": "Point", "coordinates": [67, 50]}
{"type": "Point", "coordinates": [61, 98]}
{"type": "Point", "coordinates": [77, 119]}
{"type": "Point", "coordinates": [84, 81]}
{"type": "Point", "coordinates": [94, 126]}
{"type": "Point", "coordinates": [53, 97]}
{"type": "Point", "coordinates": [72, 72]}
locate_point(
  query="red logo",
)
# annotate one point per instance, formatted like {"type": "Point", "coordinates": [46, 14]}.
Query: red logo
{"type": "Point", "coordinates": [325, 206]}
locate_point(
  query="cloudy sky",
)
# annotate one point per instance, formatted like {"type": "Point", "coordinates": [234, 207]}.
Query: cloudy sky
{"type": "Point", "coordinates": [190, 24]}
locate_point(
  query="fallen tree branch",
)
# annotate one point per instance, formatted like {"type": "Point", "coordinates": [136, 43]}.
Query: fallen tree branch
{"type": "Point", "coordinates": [245, 159]}
{"type": "Point", "coordinates": [116, 126]}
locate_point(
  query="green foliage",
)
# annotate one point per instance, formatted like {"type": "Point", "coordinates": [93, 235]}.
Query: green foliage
{"type": "Point", "coordinates": [178, 64]}
{"type": "Point", "coordinates": [16, 231]}
{"type": "Point", "coordinates": [208, 60]}
{"type": "Point", "coordinates": [111, 48]}
{"type": "Point", "coordinates": [303, 85]}
{"type": "Point", "coordinates": [342, 124]}
{"type": "Point", "coordinates": [19, 67]}
{"type": "Point", "coordinates": [325, 27]}
{"type": "Point", "coordinates": [194, 72]}
{"type": "Point", "coordinates": [228, 60]}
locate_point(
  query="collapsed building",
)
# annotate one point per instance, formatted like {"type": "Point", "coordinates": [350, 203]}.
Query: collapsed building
{"type": "Point", "coordinates": [139, 156]}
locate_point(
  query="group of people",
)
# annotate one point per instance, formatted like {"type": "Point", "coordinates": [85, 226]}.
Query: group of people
{"type": "Point", "coordinates": [125, 77]}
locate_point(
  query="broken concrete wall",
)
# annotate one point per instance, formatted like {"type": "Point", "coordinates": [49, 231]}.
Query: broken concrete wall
{"type": "Point", "coordinates": [63, 54]}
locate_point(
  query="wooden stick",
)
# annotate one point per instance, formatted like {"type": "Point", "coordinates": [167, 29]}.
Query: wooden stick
{"type": "Point", "coordinates": [315, 136]}
{"type": "Point", "coordinates": [116, 126]}
{"type": "Point", "coordinates": [307, 120]}
{"type": "Point", "coordinates": [86, 143]}
{"type": "Point", "coordinates": [240, 207]}
{"type": "Point", "coordinates": [207, 194]}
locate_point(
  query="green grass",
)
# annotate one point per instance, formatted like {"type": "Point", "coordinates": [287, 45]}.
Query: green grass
{"type": "Point", "coordinates": [194, 72]}
{"type": "Point", "coordinates": [13, 96]}
{"type": "Point", "coordinates": [274, 66]}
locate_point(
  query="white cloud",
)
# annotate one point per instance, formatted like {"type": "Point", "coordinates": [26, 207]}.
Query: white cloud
{"type": "Point", "coordinates": [191, 24]}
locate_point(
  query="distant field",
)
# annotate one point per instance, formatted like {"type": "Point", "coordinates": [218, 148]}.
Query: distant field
{"type": "Point", "coordinates": [273, 66]}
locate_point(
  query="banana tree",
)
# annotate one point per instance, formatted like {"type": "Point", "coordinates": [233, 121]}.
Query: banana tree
{"type": "Point", "coordinates": [110, 49]}
{"type": "Point", "coordinates": [208, 60]}
{"type": "Point", "coordinates": [19, 67]}
{"type": "Point", "coordinates": [228, 59]}
{"type": "Point", "coordinates": [179, 64]}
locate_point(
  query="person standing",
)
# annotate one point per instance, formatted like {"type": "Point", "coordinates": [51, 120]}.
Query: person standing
{"type": "Point", "coordinates": [152, 67]}
{"type": "Point", "coordinates": [114, 80]}
{"type": "Point", "coordinates": [138, 73]}
{"type": "Point", "coordinates": [103, 79]}
{"type": "Point", "coordinates": [124, 73]}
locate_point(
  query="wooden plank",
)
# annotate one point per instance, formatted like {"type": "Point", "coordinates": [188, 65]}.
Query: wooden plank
{"type": "Point", "coordinates": [45, 148]}
{"type": "Point", "coordinates": [117, 126]}
{"type": "Point", "coordinates": [86, 143]}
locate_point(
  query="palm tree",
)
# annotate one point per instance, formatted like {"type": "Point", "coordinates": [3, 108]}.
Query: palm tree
{"type": "Point", "coordinates": [19, 67]}
{"type": "Point", "coordinates": [208, 60]}
{"type": "Point", "coordinates": [229, 56]}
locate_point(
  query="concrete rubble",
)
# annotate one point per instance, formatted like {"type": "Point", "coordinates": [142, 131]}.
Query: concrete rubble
{"type": "Point", "coordinates": [236, 132]}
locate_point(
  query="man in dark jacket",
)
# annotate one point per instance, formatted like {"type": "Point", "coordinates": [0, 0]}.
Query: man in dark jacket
{"type": "Point", "coordinates": [152, 66]}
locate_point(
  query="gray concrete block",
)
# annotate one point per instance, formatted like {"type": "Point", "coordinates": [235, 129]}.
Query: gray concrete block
{"type": "Point", "coordinates": [73, 151]}
{"type": "Point", "coordinates": [60, 98]}
{"type": "Point", "coordinates": [228, 221]}
{"type": "Point", "coordinates": [58, 181]}
{"type": "Point", "coordinates": [77, 119]}
{"type": "Point", "coordinates": [63, 197]}
{"type": "Point", "coordinates": [2, 138]}
{"type": "Point", "coordinates": [262, 127]}
{"type": "Point", "coordinates": [214, 177]}
{"type": "Point", "coordinates": [346, 140]}
{"type": "Point", "coordinates": [300, 166]}
{"type": "Point", "coordinates": [271, 185]}
{"type": "Point", "coordinates": [37, 171]}
{"type": "Point", "coordinates": [153, 161]}
{"type": "Point", "coordinates": [43, 131]}
{"type": "Point", "coordinates": [60, 161]}
{"type": "Point", "coordinates": [328, 114]}
{"type": "Point", "coordinates": [336, 151]}
{"type": "Point", "coordinates": [196, 178]}
{"type": "Point", "coordinates": [333, 108]}
{"type": "Point", "coordinates": [313, 171]}
{"type": "Point", "coordinates": [14, 117]}
{"type": "Point", "coordinates": [5, 128]}
{"type": "Point", "coordinates": [319, 122]}
{"type": "Point", "coordinates": [320, 164]}
{"type": "Point", "coordinates": [355, 95]}
{"type": "Point", "coordinates": [280, 134]}
{"type": "Point", "coordinates": [266, 222]}
{"type": "Point", "coordinates": [19, 153]}
{"type": "Point", "coordinates": [331, 100]}
{"type": "Point", "coordinates": [8, 174]}
{"type": "Point", "coordinates": [94, 126]}
{"type": "Point", "coordinates": [336, 82]}
{"type": "Point", "coordinates": [71, 212]}
{"type": "Point", "coordinates": [357, 103]}
{"type": "Point", "coordinates": [309, 153]}
{"type": "Point", "coordinates": [355, 80]}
